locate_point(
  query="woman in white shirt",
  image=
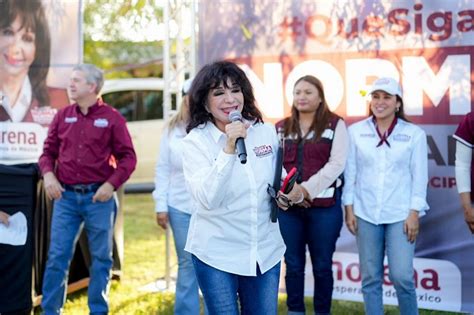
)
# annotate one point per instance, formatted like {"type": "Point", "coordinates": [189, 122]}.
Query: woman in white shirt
{"type": "Point", "coordinates": [4, 217]}
{"type": "Point", "coordinates": [173, 204]}
{"type": "Point", "coordinates": [236, 249]}
{"type": "Point", "coordinates": [464, 171]}
{"type": "Point", "coordinates": [25, 52]}
{"type": "Point", "coordinates": [385, 194]}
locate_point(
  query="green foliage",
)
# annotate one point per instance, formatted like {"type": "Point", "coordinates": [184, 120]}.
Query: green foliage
{"type": "Point", "coordinates": [143, 264]}
{"type": "Point", "coordinates": [105, 19]}
{"type": "Point", "coordinates": [125, 59]}
{"type": "Point", "coordinates": [109, 42]}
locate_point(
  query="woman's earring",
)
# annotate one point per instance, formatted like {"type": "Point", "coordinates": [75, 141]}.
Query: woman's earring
{"type": "Point", "coordinates": [397, 110]}
{"type": "Point", "coordinates": [207, 110]}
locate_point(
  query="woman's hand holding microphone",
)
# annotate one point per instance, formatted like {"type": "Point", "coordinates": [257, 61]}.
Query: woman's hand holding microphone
{"type": "Point", "coordinates": [233, 131]}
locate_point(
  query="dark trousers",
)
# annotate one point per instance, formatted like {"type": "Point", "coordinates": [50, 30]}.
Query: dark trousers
{"type": "Point", "coordinates": [319, 229]}
{"type": "Point", "coordinates": [22, 312]}
{"type": "Point", "coordinates": [17, 194]}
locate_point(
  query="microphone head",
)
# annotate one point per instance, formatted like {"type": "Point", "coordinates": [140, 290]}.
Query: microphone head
{"type": "Point", "coordinates": [235, 115]}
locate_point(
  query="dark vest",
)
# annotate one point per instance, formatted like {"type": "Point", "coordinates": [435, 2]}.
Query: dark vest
{"type": "Point", "coordinates": [309, 157]}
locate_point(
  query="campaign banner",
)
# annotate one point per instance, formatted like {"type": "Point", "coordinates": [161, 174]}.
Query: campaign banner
{"type": "Point", "coordinates": [437, 282]}
{"type": "Point", "coordinates": [21, 141]}
{"type": "Point", "coordinates": [40, 42]}
{"type": "Point", "coordinates": [427, 45]}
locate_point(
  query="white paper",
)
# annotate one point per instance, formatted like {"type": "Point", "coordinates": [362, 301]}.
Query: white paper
{"type": "Point", "coordinates": [16, 231]}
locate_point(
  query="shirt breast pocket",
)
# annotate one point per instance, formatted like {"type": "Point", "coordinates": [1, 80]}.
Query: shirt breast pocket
{"type": "Point", "coordinates": [99, 135]}
{"type": "Point", "coordinates": [264, 169]}
{"type": "Point", "coordinates": [400, 155]}
{"type": "Point", "coordinates": [367, 155]}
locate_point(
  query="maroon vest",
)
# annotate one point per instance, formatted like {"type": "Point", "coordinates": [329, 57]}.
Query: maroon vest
{"type": "Point", "coordinates": [309, 157]}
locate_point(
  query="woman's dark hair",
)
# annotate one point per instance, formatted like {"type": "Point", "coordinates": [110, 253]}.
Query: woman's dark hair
{"type": "Point", "coordinates": [210, 77]}
{"type": "Point", "coordinates": [399, 114]}
{"type": "Point", "coordinates": [321, 118]}
{"type": "Point", "coordinates": [32, 16]}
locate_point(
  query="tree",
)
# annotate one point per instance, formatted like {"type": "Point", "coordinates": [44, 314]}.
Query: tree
{"type": "Point", "coordinates": [119, 36]}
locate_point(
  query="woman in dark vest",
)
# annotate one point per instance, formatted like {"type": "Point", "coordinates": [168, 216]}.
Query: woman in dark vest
{"type": "Point", "coordinates": [316, 143]}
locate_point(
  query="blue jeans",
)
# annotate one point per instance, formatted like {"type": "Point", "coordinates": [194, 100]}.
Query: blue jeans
{"type": "Point", "coordinates": [319, 229]}
{"type": "Point", "coordinates": [257, 295]}
{"type": "Point", "coordinates": [187, 289]}
{"type": "Point", "coordinates": [70, 214]}
{"type": "Point", "coordinates": [372, 241]}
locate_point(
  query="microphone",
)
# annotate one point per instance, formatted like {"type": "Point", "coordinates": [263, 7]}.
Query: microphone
{"type": "Point", "coordinates": [235, 115]}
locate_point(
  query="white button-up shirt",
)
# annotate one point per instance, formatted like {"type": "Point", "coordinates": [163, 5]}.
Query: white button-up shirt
{"type": "Point", "coordinates": [170, 189]}
{"type": "Point", "coordinates": [384, 183]}
{"type": "Point", "coordinates": [230, 228]}
{"type": "Point", "coordinates": [18, 110]}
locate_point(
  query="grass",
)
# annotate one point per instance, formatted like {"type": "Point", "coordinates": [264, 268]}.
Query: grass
{"type": "Point", "coordinates": [145, 263]}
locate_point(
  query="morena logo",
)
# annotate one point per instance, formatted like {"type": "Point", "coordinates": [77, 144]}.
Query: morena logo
{"type": "Point", "coordinates": [426, 278]}
{"type": "Point", "coordinates": [18, 137]}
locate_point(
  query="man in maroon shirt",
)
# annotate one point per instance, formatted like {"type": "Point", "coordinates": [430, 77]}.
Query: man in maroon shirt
{"type": "Point", "coordinates": [87, 155]}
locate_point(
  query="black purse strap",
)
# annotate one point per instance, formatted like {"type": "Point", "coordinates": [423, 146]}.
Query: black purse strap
{"type": "Point", "coordinates": [277, 180]}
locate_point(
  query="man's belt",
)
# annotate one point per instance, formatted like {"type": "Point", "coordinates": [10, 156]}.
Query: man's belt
{"type": "Point", "coordinates": [82, 188]}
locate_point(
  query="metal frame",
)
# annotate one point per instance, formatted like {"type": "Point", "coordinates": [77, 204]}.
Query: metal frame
{"type": "Point", "coordinates": [179, 57]}
{"type": "Point", "coordinates": [175, 70]}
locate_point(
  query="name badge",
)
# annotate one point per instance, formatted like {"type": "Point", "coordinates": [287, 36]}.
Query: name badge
{"type": "Point", "coordinates": [43, 115]}
{"type": "Point", "coordinates": [263, 150]}
{"type": "Point", "coordinates": [401, 137]}
{"type": "Point", "coordinates": [101, 123]}
{"type": "Point", "coordinates": [70, 120]}
{"type": "Point", "coordinates": [328, 134]}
